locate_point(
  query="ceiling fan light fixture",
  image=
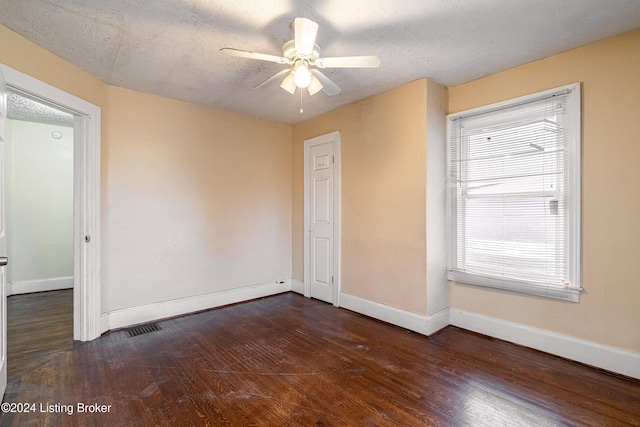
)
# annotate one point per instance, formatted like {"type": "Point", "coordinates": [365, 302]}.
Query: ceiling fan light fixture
{"type": "Point", "coordinates": [302, 55]}
{"type": "Point", "coordinates": [315, 86]}
{"type": "Point", "coordinates": [301, 74]}
{"type": "Point", "coordinates": [288, 84]}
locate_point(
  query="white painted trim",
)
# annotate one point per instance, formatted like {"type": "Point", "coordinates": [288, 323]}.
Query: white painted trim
{"type": "Point", "coordinates": [104, 323]}
{"type": "Point", "coordinates": [160, 310]}
{"type": "Point", "coordinates": [86, 210]}
{"type": "Point", "coordinates": [297, 286]}
{"type": "Point", "coordinates": [87, 309]}
{"type": "Point", "coordinates": [335, 139]}
{"type": "Point", "coordinates": [588, 352]}
{"type": "Point", "coordinates": [437, 321]}
{"type": "Point", "coordinates": [426, 325]}
{"type": "Point", "coordinates": [3, 238]}
{"type": "Point", "coordinates": [42, 285]}
{"type": "Point", "coordinates": [591, 353]}
{"type": "Point", "coordinates": [572, 231]}
{"type": "Point", "coordinates": [437, 288]}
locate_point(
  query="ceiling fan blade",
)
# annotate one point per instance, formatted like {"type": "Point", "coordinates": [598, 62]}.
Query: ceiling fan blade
{"type": "Point", "coordinates": [272, 78]}
{"type": "Point", "coordinates": [348, 62]}
{"type": "Point", "coordinates": [315, 85]}
{"type": "Point", "coordinates": [253, 55]}
{"type": "Point", "coordinates": [329, 87]}
{"type": "Point", "coordinates": [288, 84]}
{"type": "Point", "coordinates": [305, 35]}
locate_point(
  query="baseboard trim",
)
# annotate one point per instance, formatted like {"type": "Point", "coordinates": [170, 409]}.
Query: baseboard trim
{"type": "Point", "coordinates": [43, 285]}
{"type": "Point", "coordinates": [104, 323]}
{"type": "Point", "coordinates": [297, 286]}
{"type": "Point", "coordinates": [588, 352]}
{"type": "Point", "coordinates": [426, 325]}
{"type": "Point", "coordinates": [147, 313]}
{"type": "Point", "coordinates": [437, 321]}
{"type": "Point", "coordinates": [598, 355]}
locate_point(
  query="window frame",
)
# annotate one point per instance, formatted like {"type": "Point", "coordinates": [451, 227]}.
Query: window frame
{"type": "Point", "coordinates": [572, 234]}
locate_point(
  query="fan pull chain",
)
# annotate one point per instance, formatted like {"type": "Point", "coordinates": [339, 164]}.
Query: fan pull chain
{"type": "Point", "coordinates": [301, 110]}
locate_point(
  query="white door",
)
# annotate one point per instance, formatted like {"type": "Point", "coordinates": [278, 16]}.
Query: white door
{"type": "Point", "coordinates": [3, 243]}
{"type": "Point", "coordinates": [321, 217]}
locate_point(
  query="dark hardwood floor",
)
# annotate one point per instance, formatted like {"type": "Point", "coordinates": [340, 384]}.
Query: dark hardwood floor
{"type": "Point", "coordinates": [291, 361]}
{"type": "Point", "coordinates": [39, 326]}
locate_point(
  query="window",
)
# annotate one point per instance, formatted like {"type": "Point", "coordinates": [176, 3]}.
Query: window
{"type": "Point", "coordinates": [513, 195]}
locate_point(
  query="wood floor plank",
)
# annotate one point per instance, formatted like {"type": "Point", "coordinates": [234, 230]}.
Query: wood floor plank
{"type": "Point", "coordinates": [39, 326]}
{"type": "Point", "coordinates": [291, 361]}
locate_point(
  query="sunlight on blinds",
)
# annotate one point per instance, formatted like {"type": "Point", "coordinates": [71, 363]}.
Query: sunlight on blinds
{"type": "Point", "coordinates": [509, 186]}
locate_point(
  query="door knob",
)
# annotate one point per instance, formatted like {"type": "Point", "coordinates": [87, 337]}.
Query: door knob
{"type": "Point", "coordinates": [3, 260]}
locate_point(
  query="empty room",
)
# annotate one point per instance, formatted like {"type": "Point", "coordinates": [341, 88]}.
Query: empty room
{"type": "Point", "coordinates": [323, 213]}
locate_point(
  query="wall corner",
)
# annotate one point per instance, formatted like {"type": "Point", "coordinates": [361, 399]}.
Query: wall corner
{"type": "Point", "coordinates": [436, 111]}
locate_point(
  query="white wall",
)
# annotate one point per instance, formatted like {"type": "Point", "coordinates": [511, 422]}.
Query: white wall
{"type": "Point", "coordinates": [39, 206]}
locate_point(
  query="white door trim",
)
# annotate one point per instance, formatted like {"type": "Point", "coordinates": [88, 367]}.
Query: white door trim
{"type": "Point", "coordinates": [333, 137]}
{"type": "Point", "coordinates": [86, 199]}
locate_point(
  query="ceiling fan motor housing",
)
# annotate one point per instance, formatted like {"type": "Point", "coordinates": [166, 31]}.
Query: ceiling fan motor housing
{"type": "Point", "coordinates": [289, 52]}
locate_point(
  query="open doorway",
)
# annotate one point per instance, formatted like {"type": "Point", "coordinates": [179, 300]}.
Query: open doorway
{"type": "Point", "coordinates": [39, 147]}
{"type": "Point", "coordinates": [87, 321]}
{"type": "Point", "coordinates": [38, 196]}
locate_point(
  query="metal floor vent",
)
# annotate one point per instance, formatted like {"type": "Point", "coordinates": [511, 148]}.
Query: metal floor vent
{"type": "Point", "coordinates": [143, 329]}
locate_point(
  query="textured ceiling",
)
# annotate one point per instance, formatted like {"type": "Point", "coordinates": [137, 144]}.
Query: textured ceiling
{"type": "Point", "coordinates": [23, 108]}
{"type": "Point", "coordinates": [171, 47]}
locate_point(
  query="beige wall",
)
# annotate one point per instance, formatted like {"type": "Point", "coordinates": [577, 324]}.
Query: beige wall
{"type": "Point", "coordinates": [194, 200]}
{"type": "Point", "coordinates": [198, 200]}
{"type": "Point", "coordinates": [179, 180]}
{"type": "Point", "coordinates": [609, 310]}
{"type": "Point", "coordinates": [383, 195]}
{"type": "Point", "coordinates": [28, 58]}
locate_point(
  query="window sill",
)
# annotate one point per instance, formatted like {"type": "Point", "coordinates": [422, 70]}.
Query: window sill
{"type": "Point", "coordinates": [570, 294]}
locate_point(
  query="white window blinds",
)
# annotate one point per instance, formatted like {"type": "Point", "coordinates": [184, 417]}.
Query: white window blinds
{"type": "Point", "coordinates": [514, 194]}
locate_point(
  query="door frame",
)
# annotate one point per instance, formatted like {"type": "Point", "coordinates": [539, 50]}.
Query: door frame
{"type": "Point", "coordinates": [330, 138]}
{"type": "Point", "coordinates": [86, 199]}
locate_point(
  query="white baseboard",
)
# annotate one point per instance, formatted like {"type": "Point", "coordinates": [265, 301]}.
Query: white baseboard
{"type": "Point", "coordinates": [104, 323]}
{"type": "Point", "coordinates": [297, 286]}
{"type": "Point", "coordinates": [43, 285]}
{"type": "Point", "coordinates": [437, 321]}
{"type": "Point", "coordinates": [426, 325]}
{"type": "Point", "coordinates": [160, 310]}
{"type": "Point", "coordinates": [602, 356]}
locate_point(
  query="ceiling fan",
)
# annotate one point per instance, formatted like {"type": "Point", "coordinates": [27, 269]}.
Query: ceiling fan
{"type": "Point", "coordinates": [302, 54]}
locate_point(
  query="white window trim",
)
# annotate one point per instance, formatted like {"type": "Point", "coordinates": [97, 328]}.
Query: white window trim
{"type": "Point", "coordinates": [571, 292]}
